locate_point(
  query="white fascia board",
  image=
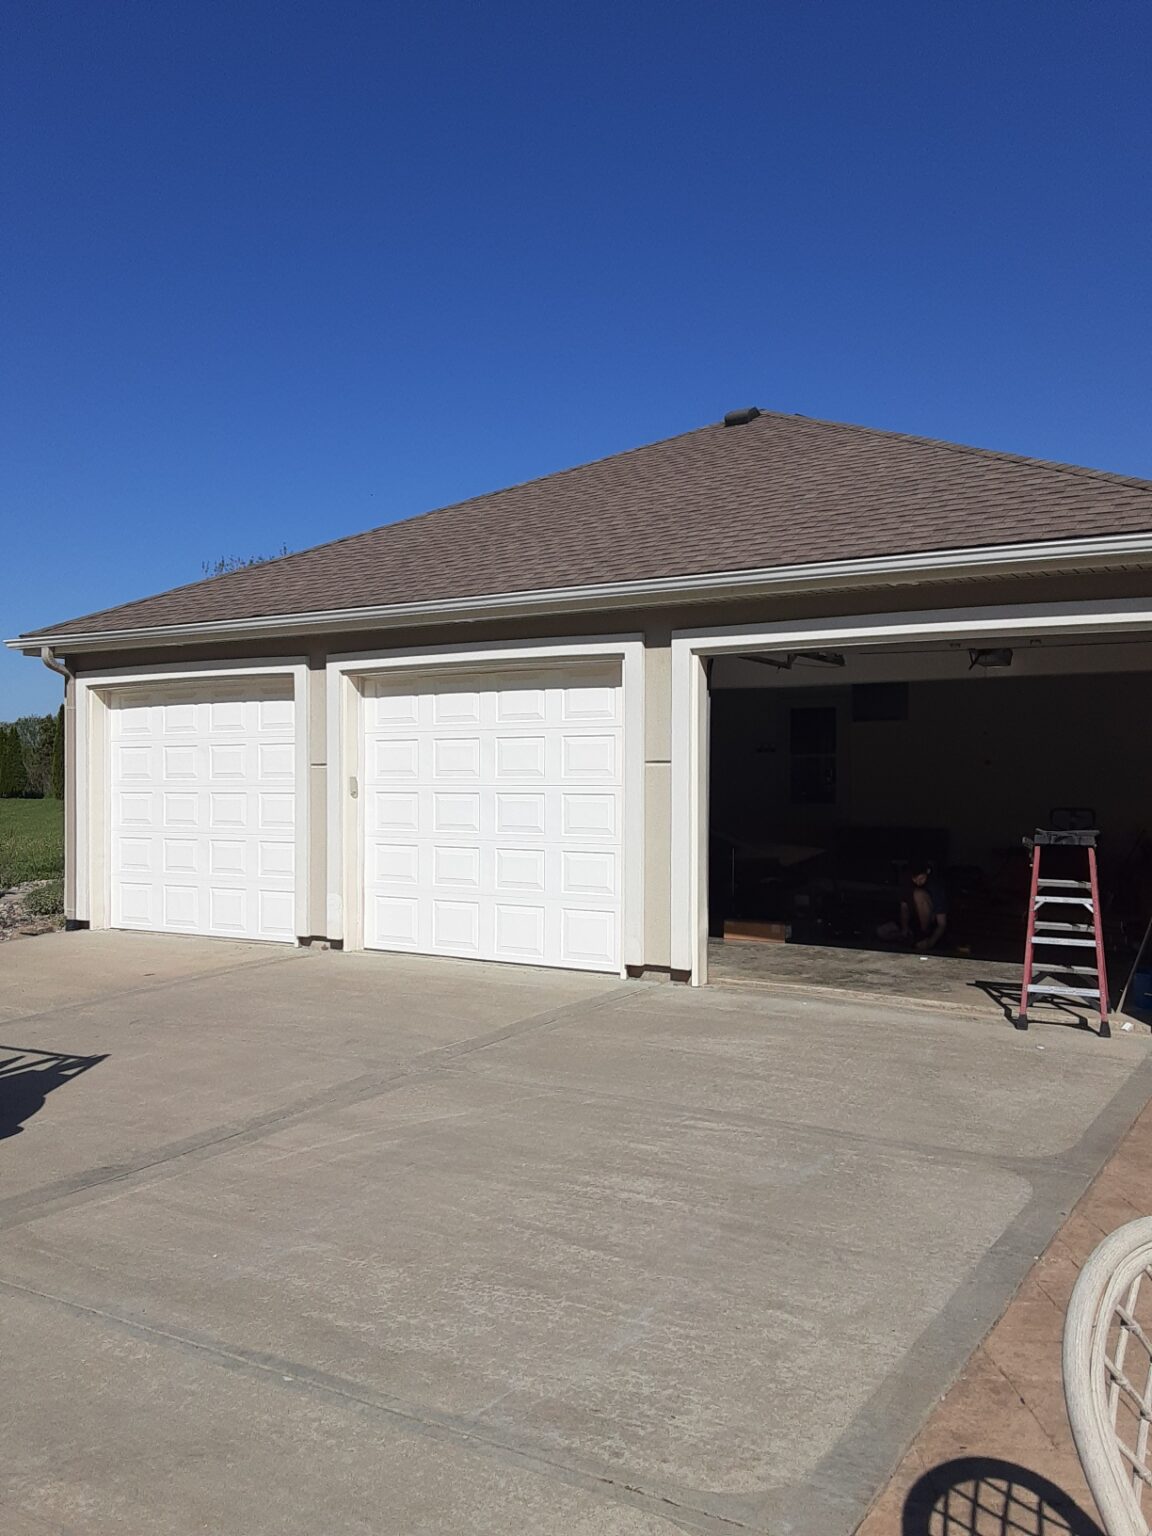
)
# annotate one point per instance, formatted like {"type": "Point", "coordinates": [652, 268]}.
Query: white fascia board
{"type": "Point", "coordinates": [719, 585]}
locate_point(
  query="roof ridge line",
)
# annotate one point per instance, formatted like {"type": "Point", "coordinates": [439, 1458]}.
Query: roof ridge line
{"type": "Point", "coordinates": [1059, 466]}
{"type": "Point", "coordinates": [412, 517]}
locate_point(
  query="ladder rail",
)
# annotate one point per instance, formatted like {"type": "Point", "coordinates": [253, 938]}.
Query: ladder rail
{"type": "Point", "coordinates": [1101, 963]}
{"type": "Point", "coordinates": [1047, 931]}
{"type": "Point", "coordinates": [1026, 989]}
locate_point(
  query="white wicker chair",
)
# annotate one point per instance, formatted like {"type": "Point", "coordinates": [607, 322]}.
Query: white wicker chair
{"type": "Point", "coordinates": [1108, 1376]}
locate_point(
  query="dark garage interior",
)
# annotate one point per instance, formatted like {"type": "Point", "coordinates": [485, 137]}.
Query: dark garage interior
{"type": "Point", "coordinates": [832, 774]}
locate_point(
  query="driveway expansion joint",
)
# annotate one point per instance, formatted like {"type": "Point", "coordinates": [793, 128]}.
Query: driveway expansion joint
{"type": "Point", "coordinates": [294, 1376]}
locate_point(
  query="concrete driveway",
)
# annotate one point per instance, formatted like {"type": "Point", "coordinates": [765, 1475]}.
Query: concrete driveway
{"type": "Point", "coordinates": [362, 1244]}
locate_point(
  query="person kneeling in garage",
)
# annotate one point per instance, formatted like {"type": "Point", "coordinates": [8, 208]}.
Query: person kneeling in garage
{"type": "Point", "coordinates": [923, 909]}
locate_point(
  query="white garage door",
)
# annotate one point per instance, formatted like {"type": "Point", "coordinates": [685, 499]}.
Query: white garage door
{"type": "Point", "coordinates": [202, 814]}
{"type": "Point", "coordinates": [492, 817]}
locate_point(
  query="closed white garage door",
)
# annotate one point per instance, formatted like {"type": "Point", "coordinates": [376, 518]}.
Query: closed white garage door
{"type": "Point", "coordinates": [493, 817]}
{"type": "Point", "coordinates": [202, 814]}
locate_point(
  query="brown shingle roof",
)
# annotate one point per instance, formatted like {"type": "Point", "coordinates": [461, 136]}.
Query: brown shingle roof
{"type": "Point", "coordinates": [778, 491]}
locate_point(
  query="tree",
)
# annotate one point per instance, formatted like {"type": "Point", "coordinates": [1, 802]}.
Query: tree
{"type": "Point", "coordinates": [229, 563]}
{"type": "Point", "coordinates": [58, 756]}
{"type": "Point", "coordinates": [13, 779]}
{"type": "Point", "coordinates": [45, 746]}
{"type": "Point", "coordinates": [36, 734]}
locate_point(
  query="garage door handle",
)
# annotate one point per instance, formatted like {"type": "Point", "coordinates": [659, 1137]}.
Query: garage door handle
{"type": "Point", "coordinates": [353, 786]}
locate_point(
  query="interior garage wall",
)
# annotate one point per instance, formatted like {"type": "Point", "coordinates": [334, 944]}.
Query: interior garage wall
{"type": "Point", "coordinates": [990, 759]}
{"type": "Point", "coordinates": [750, 767]}
{"type": "Point", "coordinates": [987, 757]}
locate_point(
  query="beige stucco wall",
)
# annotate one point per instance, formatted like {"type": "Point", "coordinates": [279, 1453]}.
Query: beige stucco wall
{"type": "Point", "coordinates": [655, 624]}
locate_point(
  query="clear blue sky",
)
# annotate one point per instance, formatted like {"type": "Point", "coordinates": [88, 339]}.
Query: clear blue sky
{"type": "Point", "coordinates": [276, 272]}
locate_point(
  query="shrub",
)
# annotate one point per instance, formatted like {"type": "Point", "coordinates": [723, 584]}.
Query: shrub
{"type": "Point", "coordinates": [13, 777]}
{"type": "Point", "coordinates": [45, 900]}
{"type": "Point", "coordinates": [58, 756]}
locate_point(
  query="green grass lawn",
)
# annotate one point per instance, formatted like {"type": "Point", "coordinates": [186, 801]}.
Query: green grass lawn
{"type": "Point", "coordinates": [31, 840]}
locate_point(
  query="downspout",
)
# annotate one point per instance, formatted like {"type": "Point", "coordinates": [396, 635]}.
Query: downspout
{"type": "Point", "coordinates": [50, 660]}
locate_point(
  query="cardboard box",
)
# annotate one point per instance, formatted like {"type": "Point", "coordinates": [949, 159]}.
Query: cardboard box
{"type": "Point", "coordinates": [737, 931]}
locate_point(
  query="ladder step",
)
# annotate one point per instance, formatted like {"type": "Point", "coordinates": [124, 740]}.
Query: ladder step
{"type": "Point", "coordinates": [1056, 969]}
{"type": "Point", "coordinates": [1065, 991]}
{"type": "Point", "coordinates": [1048, 975]}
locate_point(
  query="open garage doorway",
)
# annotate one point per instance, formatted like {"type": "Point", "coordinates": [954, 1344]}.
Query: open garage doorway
{"type": "Point", "coordinates": [834, 775]}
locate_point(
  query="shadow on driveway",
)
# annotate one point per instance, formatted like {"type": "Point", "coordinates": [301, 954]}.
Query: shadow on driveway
{"type": "Point", "coordinates": [28, 1077]}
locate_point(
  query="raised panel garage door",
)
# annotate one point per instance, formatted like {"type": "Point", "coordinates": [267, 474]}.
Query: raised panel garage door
{"type": "Point", "coordinates": [493, 817]}
{"type": "Point", "coordinates": [202, 814]}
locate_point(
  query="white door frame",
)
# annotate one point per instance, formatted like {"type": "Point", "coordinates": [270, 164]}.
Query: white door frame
{"type": "Point", "coordinates": [345, 917]}
{"type": "Point", "coordinates": [690, 715]}
{"type": "Point", "coordinates": [93, 824]}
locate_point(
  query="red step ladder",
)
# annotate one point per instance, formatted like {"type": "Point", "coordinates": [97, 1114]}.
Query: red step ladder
{"type": "Point", "coordinates": [1050, 906]}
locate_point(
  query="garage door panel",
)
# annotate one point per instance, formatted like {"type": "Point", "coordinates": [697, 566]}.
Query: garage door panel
{"type": "Point", "coordinates": [590, 873]}
{"type": "Point", "coordinates": [455, 926]}
{"type": "Point", "coordinates": [588, 937]}
{"type": "Point", "coordinates": [454, 814]}
{"type": "Point", "coordinates": [181, 856]}
{"type": "Point", "coordinates": [228, 810]}
{"type": "Point", "coordinates": [135, 764]}
{"type": "Point", "coordinates": [520, 759]}
{"type": "Point", "coordinates": [276, 914]}
{"type": "Point", "coordinates": [519, 706]}
{"type": "Point", "coordinates": [586, 757]}
{"type": "Point", "coordinates": [492, 815]}
{"type": "Point", "coordinates": [519, 869]}
{"type": "Point", "coordinates": [180, 906]}
{"type": "Point", "coordinates": [456, 866]}
{"type": "Point", "coordinates": [176, 719]}
{"type": "Point", "coordinates": [582, 705]}
{"type": "Point", "coordinates": [394, 921]}
{"type": "Point", "coordinates": [454, 708]}
{"type": "Point", "coordinates": [227, 909]}
{"type": "Point", "coordinates": [395, 761]}
{"type": "Point", "coordinates": [275, 860]}
{"type": "Point", "coordinates": [276, 715]}
{"type": "Point", "coordinates": [275, 811]}
{"type": "Point", "coordinates": [135, 905]}
{"type": "Point", "coordinates": [519, 933]}
{"type": "Point", "coordinates": [135, 810]}
{"type": "Point", "coordinates": [228, 856]}
{"type": "Point", "coordinates": [182, 810]}
{"type": "Point", "coordinates": [518, 815]}
{"type": "Point", "coordinates": [132, 855]}
{"type": "Point", "coordinates": [182, 763]}
{"type": "Point", "coordinates": [589, 817]}
{"type": "Point", "coordinates": [227, 761]}
{"type": "Point", "coordinates": [209, 845]}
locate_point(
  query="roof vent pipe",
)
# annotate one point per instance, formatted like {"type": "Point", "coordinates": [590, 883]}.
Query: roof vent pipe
{"type": "Point", "coordinates": [741, 418]}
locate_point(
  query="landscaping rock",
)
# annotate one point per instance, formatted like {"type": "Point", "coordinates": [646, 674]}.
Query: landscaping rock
{"type": "Point", "coordinates": [16, 921]}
